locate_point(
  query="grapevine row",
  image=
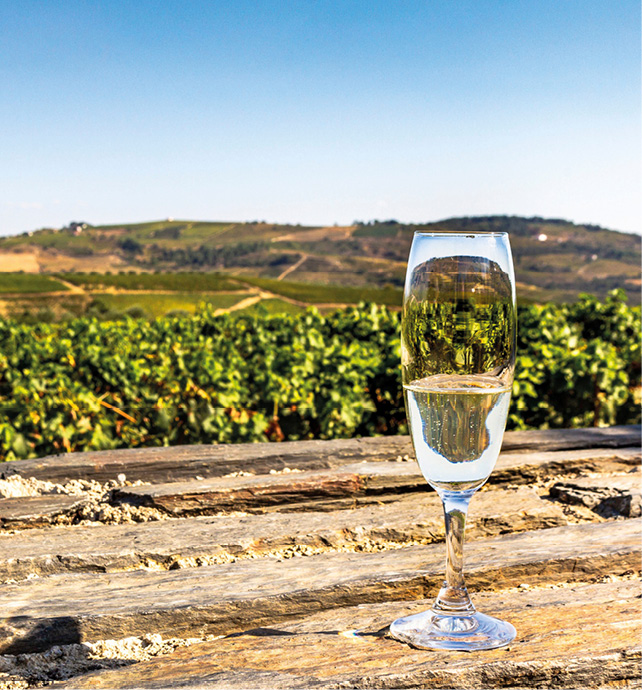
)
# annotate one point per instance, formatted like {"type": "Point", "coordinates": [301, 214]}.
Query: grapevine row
{"type": "Point", "coordinates": [91, 385]}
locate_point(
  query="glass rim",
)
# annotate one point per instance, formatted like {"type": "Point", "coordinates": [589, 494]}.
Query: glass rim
{"type": "Point", "coordinates": [459, 233]}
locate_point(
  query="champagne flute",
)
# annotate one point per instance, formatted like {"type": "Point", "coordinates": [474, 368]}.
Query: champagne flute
{"type": "Point", "coordinates": [458, 359]}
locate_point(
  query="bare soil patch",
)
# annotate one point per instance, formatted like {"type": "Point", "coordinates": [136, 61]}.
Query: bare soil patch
{"type": "Point", "coordinates": [19, 261]}
{"type": "Point", "coordinates": [329, 233]}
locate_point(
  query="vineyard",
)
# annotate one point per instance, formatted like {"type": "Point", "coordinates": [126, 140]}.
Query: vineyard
{"type": "Point", "coordinates": [90, 385]}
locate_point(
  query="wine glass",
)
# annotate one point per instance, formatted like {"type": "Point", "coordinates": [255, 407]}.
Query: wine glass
{"type": "Point", "coordinates": [458, 359]}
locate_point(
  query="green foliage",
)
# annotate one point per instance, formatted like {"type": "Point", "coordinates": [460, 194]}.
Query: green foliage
{"type": "Point", "coordinates": [28, 282]}
{"type": "Point", "coordinates": [239, 254]}
{"type": "Point", "coordinates": [273, 306]}
{"type": "Point", "coordinates": [92, 385]}
{"type": "Point", "coordinates": [458, 327]}
{"type": "Point", "coordinates": [183, 282]}
{"type": "Point", "coordinates": [320, 294]}
{"type": "Point", "coordinates": [130, 245]}
{"type": "Point", "coordinates": [457, 337]}
{"type": "Point", "coordinates": [110, 306]}
{"type": "Point", "coordinates": [578, 365]}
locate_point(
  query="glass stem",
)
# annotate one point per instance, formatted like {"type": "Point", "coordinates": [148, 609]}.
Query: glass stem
{"type": "Point", "coordinates": [453, 597]}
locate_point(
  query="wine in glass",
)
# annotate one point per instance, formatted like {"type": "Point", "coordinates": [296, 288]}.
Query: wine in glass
{"type": "Point", "coordinates": [458, 359]}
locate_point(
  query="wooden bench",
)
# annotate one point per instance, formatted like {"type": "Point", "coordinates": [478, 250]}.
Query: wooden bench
{"type": "Point", "coordinates": [281, 565]}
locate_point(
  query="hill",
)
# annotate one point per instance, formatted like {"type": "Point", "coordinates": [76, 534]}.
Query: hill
{"type": "Point", "coordinates": [555, 260]}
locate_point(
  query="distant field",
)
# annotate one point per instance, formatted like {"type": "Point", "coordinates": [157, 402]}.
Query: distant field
{"type": "Point", "coordinates": [606, 267]}
{"type": "Point", "coordinates": [184, 282]}
{"type": "Point", "coordinates": [156, 305]}
{"type": "Point", "coordinates": [273, 306]}
{"type": "Point", "coordinates": [172, 233]}
{"type": "Point", "coordinates": [320, 294]}
{"type": "Point", "coordinates": [184, 233]}
{"type": "Point", "coordinates": [530, 294]}
{"type": "Point", "coordinates": [376, 231]}
{"type": "Point", "coordinates": [28, 282]}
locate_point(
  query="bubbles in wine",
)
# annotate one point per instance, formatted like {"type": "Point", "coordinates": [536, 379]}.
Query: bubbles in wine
{"type": "Point", "coordinates": [457, 424]}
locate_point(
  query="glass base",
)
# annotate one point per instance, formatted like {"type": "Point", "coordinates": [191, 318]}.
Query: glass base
{"type": "Point", "coordinates": [429, 630]}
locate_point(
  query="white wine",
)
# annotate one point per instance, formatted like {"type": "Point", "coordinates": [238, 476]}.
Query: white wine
{"type": "Point", "coordinates": [458, 338]}
{"type": "Point", "coordinates": [457, 424]}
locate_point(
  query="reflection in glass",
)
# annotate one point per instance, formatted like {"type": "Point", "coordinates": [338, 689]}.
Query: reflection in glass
{"type": "Point", "coordinates": [458, 359]}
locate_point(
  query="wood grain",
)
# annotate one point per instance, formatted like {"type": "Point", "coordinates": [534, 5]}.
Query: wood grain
{"type": "Point", "coordinates": [351, 484]}
{"type": "Point", "coordinates": [587, 636]}
{"type": "Point", "coordinates": [191, 541]}
{"type": "Point", "coordinates": [187, 462]}
{"type": "Point", "coordinates": [608, 496]}
{"type": "Point", "coordinates": [222, 599]}
{"type": "Point", "coordinates": [347, 486]}
{"type": "Point", "coordinates": [34, 511]}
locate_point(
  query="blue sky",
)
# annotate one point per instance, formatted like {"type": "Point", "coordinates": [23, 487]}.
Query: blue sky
{"type": "Point", "coordinates": [318, 112]}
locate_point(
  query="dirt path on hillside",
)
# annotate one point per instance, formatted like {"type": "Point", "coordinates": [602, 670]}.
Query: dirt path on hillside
{"type": "Point", "coordinates": [254, 296]}
{"type": "Point", "coordinates": [292, 268]}
{"type": "Point", "coordinates": [243, 304]}
{"type": "Point", "coordinates": [75, 289]}
{"type": "Point", "coordinates": [117, 291]}
{"type": "Point", "coordinates": [266, 294]}
{"type": "Point", "coordinates": [332, 232]}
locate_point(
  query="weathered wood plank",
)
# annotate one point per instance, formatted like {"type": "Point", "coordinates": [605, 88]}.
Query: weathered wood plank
{"type": "Point", "coordinates": [226, 598]}
{"type": "Point", "coordinates": [187, 462]}
{"type": "Point", "coordinates": [607, 496]}
{"type": "Point", "coordinates": [355, 483]}
{"type": "Point", "coordinates": [33, 511]}
{"type": "Point", "coordinates": [176, 543]}
{"type": "Point", "coordinates": [344, 487]}
{"type": "Point", "coordinates": [585, 636]}
{"type": "Point", "coordinates": [570, 439]}
{"type": "Point", "coordinates": [517, 468]}
{"type": "Point", "coordinates": [284, 492]}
